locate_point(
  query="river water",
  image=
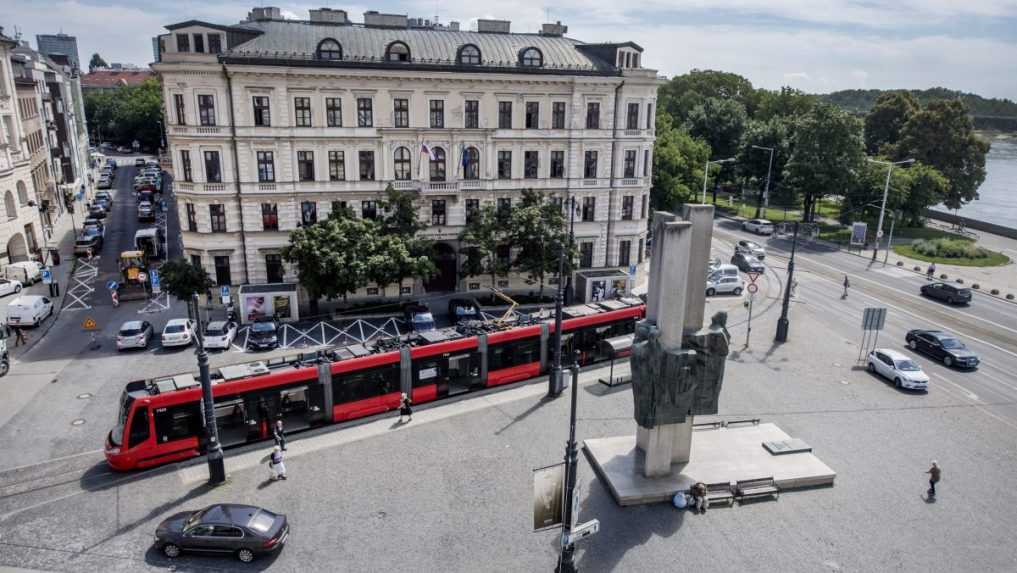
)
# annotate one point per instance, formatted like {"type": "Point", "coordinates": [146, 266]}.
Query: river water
{"type": "Point", "coordinates": [997, 197]}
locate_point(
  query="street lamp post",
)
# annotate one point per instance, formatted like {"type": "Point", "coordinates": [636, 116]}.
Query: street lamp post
{"type": "Point", "coordinates": [882, 209]}
{"type": "Point", "coordinates": [783, 323]}
{"type": "Point", "coordinates": [572, 238]}
{"type": "Point", "coordinates": [706, 172]}
{"type": "Point", "coordinates": [566, 560]}
{"type": "Point", "coordinates": [766, 193]}
{"type": "Point", "coordinates": [216, 465]}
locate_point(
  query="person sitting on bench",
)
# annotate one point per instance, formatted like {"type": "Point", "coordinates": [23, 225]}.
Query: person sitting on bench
{"type": "Point", "coordinates": [699, 500]}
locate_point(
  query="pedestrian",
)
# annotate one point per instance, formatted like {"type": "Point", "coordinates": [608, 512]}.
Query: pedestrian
{"type": "Point", "coordinates": [931, 272]}
{"type": "Point", "coordinates": [276, 465]}
{"type": "Point", "coordinates": [115, 297]}
{"type": "Point", "coordinates": [847, 284]}
{"type": "Point", "coordinates": [19, 336]}
{"type": "Point", "coordinates": [700, 503]}
{"type": "Point", "coordinates": [935, 474]}
{"type": "Point", "coordinates": [405, 409]}
{"type": "Point", "coordinates": [794, 288]}
{"type": "Point", "coordinates": [279, 435]}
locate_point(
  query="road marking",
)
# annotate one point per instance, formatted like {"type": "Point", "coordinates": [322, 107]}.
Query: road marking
{"type": "Point", "coordinates": [51, 460]}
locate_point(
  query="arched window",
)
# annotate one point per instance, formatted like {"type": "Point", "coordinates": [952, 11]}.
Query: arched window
{"type": "Point", "coordinates": [438, 164]}
{"type": "Point", "coordinates": [329, 49]}
{"type": "Point", "coordinates": [471, 163]}
{"type": "Point", "coordinates": [397, 52]}
{"type": "Point", "coordinates": [531, 58]}
{"type": "Point", "coordinates": [402, 164]}
{"type": "Point", "coordinates": [22, 193]}
{"type": "Point", "coordinates": [12, 210]}
{"type": "Point", "coordinates": [469, 55]}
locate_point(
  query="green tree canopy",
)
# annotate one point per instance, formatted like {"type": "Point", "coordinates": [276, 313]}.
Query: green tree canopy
{"type": "Point", "coordinates": [786, 103]}
{"type": "Point", "coordinates": [182, 279]}
{"type": "Point", "coordinates": [678, 161]}
{"type": "Point", "coordinates": [912, 189]}
{"type": "Point", "coordinates": [129, 113]}
{"type": "Point", "coordinates": [884, 122]}
{"type": "Point", "coordinates": [332, 256]}
{"type": "Point", "coordinates": [679, 96]}
{"type": "Point", "coordinates": [721, 124]}
{"type": "Point", "coordinates": [484, 234]}
{"type": "Point", "coordinates": [96, 62]}
{"type": "Point", "coordinates": [539, 232]}
{"type": "Point", "coordinates": [754, 163]}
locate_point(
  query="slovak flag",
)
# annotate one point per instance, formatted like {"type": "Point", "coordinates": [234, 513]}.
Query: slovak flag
{"type": "Point", "coordinates": [425, 150]}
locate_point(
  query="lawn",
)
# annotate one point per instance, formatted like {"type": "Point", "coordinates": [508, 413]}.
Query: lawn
{"type": "Point", "coordinates": [842, 234]}
{"type": "Point", "coordinates": [993, 260]}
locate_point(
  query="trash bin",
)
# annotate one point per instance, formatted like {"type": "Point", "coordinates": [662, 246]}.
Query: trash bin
{"type": "Point", "coordinates": [54, 257]}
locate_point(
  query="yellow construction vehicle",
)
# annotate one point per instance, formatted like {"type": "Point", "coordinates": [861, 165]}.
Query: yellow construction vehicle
{"type": "Point", "coordinates": [133, 284]}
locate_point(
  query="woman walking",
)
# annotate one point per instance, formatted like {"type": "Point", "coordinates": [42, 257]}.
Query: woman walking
{"type": "Point", "coordinates": [276, 465]}
{"type": "Point", "coordinates": [405, 409]}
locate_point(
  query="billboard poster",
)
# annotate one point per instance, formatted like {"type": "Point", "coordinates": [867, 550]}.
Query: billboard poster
{"type": "Point", "coordinates": [858, 230]}
{"type": "Point", "coordinates": [548, 496]}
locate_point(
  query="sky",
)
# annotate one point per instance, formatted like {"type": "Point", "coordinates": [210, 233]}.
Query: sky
{"type": "Point", "coordinates": [814, 45]}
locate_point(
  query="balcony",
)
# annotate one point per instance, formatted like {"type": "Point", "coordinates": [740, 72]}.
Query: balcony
{"type": "Point", "coordinates": [197, 130]}
{"type": "Point", "coordinates": [200, 187]}
{"type": "Point", "coordinates": [439, 188]}
{"type": "Point", "coordinates": [630, 182]}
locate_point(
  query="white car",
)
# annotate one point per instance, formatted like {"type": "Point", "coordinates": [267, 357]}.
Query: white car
{"type": "Point", "coordinates": [8, 286]}
{"type": "Point", "coordinates": [758, 226]}
{"type": "Point", "coordinates": [750, 248]}
{"type": "Point", "coordinates": [178, 332]}
{"type": "Point", "coordinates": [220, 334]}
{"type": "Point", "coordinates": [134, 334]}
{"type": "Point", "coordinates": [898, 367]}
{"type": "Point", "coordinates": [29, 310]}
{"type": "Point", "coordinates": [722, 284]}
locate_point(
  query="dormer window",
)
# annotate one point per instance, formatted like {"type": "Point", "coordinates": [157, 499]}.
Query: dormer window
{"type": "Point", "coordinates": [469, 55]}
{"type": "Point", "coordinates": [531, 58]}
{"type": "Point", "coordinates": [329, 49]}
{"type": "Point", "coordinates": [397, 52]}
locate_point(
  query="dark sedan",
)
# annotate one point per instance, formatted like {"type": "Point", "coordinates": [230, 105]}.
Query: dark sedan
{"type": "Point", "coordinates": [242, 530]}
{"type": "Point", "coordinates": [263, 335]}
{"type": "Point", "coordinates": [942, 346]}
{"type": "Point", "coordinates": [947, 292]}
{"type": "Point", "coordinates": [747, 263]}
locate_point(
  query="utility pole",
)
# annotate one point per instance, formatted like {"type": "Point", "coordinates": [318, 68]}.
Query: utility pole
{"type": "Point", "coordinates": [216, 465]}
{"type": "Point", "coordinates": [889, 240]}
{"type": "Point", "coordinates": [783, 323]}
{"type": "Point", "coordinates": [566, 560]}
{"type": "Point", "coordinates": [886, 191]}
{"type": "Point", "coordinates": [572, 238]}
{"type": "Point", "coordinates": [554, 385]}
{"type": "Point", "coordinates": [766, 193]}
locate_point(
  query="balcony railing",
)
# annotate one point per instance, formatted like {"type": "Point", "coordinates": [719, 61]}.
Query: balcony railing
{"type": "Point", "coordinates": [630, 181]}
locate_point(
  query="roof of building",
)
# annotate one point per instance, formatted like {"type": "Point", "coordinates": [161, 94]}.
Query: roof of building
{"type": "Point", "coordinates": [115, 78]}
{"type": "Point", "coordinates": [297, 39]}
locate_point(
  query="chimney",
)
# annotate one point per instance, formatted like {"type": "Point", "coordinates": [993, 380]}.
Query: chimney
{"type": "Point", "coordinates": [375, 19]}
{"type": "Point", "coordinates": [264, 13]}
{"type": "Point", "coordinates": [556, 29]}
{"type": "Point", "coordinates": [493, 26]}
{"type": "Point", "coordinates": [329, 16]}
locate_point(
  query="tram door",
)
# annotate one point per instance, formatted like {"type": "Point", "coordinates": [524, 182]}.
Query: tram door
{"type": "Point", "coordinates": [232, 421]}
{"type": "Point", "coordinates": [295, 408]}
{"type": "Point", "coordinates": [463, 372]}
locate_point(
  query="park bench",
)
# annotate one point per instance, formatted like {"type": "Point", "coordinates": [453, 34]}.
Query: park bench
{"type": "Point", "coordinates": [753, 488]}
{"type": "Point", "coordinates": [719, 493]}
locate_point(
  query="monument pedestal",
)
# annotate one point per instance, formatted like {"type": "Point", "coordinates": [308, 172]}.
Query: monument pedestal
{"type": "Point", "coordinates": [716, 456]}
{"type": "Point", "coordinates": [664, 446]}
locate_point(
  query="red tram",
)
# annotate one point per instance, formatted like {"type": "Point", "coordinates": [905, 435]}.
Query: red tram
{"type": "Point", "coordinates": [160, 420]}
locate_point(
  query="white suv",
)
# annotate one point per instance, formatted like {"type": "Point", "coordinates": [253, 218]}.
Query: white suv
{"type": "Point", "coordinates": [758, 226]}
{"type": "Point", "coordinates": [750, 248]}
{"type": "Point", "coordinates": [898, 367]}
{"type": "Point", "coordinates": [720, 283]}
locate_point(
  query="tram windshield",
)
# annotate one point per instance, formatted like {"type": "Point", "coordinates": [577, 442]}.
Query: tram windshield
{"type": "Point", "coordinates": [117, 435]}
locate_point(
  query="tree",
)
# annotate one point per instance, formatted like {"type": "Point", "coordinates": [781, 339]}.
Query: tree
{"type": "Point", "coordinates": [721, 123]}
{"type": "Point", "coordinates": [404, 253]}
{"type": "Point", "coordinates": [786, 103]}
{"type": "Point", "coordinates": [401, 213]}
{"type": "Point", "coordinates": [129, 113]}
{"type": "Point", "coordinates": [683, 93]}
{"type": "Point", "coordinates": [827, 156]}
{"type": "Point", "coordinates": [942, 136]}
{"type": "Point", "coordinates": [182, 279]}
{"type": "Point", "coordinates": [484, 234]}
{"type": "Point", "coordinates": [96, 62]}
{"type": "Point", "coordinates": [538, 230]}
{"type": "Point", "coordinates": [678, 161]}
{"type": "Point", "coordinates": [912, 189]}
{"type": "Point", "coordinates": [332, 256]}
{"type": "Point", "coordinates": [754, 163]}
{"type": "Point", "coordinates": [884, 122]}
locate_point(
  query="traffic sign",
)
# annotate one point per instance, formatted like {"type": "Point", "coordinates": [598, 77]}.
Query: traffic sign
{"type": "Point", "coordinates": [752, 277]}
{"type": "Point", "coordinates": [156, 281]}
{"type": "Point", "coordinates": [224, 291]}
{"type": "Point", "coordinates": [111, 285]}
{"type": "Point", "coordinates": [752, 288]}
{"type": "Point", "coordinates": [879, 234]}
{"type": "Point", "coordinates": [632, 270]}
{"type": "Point", "coordinates": [47, 276]}
{"type": "Point", "coordinates": [874, 318]}
{"type": "Point", "coordinates": [89, 324]}
{"type": "Point", "coordinates": [142, 277]}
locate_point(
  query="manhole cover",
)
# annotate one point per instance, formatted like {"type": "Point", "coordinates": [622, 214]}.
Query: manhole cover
{"type": "Point", "coordinates": [84, 396]}
{"type": "Point", "coordinates": [78, 422]}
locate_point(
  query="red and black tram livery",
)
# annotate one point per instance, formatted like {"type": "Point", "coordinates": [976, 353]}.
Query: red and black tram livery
{"type": "Point", "coordinates": [160, 420]}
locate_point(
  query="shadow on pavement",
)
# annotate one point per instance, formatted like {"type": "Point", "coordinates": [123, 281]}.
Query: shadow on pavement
{"type": "Point", "coordinates": [536, 406]}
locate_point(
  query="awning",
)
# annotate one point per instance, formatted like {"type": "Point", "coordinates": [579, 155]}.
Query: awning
{"type": "Point", "coordinates": [618, 344]}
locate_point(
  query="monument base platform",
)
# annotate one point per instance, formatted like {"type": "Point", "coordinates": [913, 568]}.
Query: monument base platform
{"type": "Point", "coordinates": [718, 455]}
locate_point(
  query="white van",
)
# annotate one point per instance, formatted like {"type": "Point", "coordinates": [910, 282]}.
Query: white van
{"type": "Point", "coordinates": [28, 272]}
{"type": "Point", "coordinates": [28, 310]}
{"type": "Point", "coordinates": [724, 270]}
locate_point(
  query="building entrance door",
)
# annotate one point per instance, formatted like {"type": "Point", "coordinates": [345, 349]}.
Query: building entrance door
{"type": "Point", "coordinates": [444, 257]}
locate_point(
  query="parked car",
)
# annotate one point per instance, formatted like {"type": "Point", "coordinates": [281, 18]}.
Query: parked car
{"type": "Point", "coordinates": [8, 286]}
{"type": "Point", "coordinates": [750, 248]}
{"type": "Point", "coordinates": [104, 183]}
{"type": "Point", "coordinates": [947, 292]}
{"type": "Point", "coordinates": [245, 531]}
{"type": "Point", "coordinates": [747, 263]}
{"type": "Point", "coordinates": [94, 227]}
{"type": "Point", "coordinates": [722, 270]}
{"type": "Point", "coordinates": [219, 334]}
{"type": "Point", "coordinates": [758, 226]}
{"type": "Point", "coordinates": [145, 211]}
{"type": "Point", "coordinates": [96, 212]}
{"type": "Point", "coordinates": [134, 334]}
{"type": "Point", "coordinates": [87, 245]}
{"type": "Point", "coordinates": [263, 334]}
{"type": "Point", "coordinates": [139, 162]}
{"type": "Point", "coordinates": [28, 272]}
{"type": "Point", "coordinates": [178, 332]}
{"type": "Point", "coordinates": [29, 310]}
{"type": "Point", "coordinates": [419, 317]}
{"type": "Point", "coordinates": [723, 284]}
{"type": "Point", "coordinates": [942, 346]}
{"type": "Point", "coordinates": [899, 368]}
{"type": "Point", "coordinates": [104, 196]}
{"type": "Point", "coordinates": [460, 309]}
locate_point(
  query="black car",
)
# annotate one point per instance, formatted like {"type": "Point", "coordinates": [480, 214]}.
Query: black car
{"type": "Point", "coordinates": [418, 316]}
{"type": "Point", "coordinates": [460, 309]}
{"type": "Point", "coordinates": [947, 292]}
{"type": "Point", "coordinates": [88, 245]}
{"type": "Point", "coordinates": [747, 263]}
{"type": "Point", "coordinates": [96, 212]}
{"type": "Point", "coordinates": [242, 530]}
{"type": "Point", "coordinates": [263, 335]}
{"type": "Point", "coordinates": [942, 346]}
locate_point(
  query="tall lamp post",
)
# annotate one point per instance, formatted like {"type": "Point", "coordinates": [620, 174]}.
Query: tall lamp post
{"type": "Point", "coordinates": [783, 323]}
{"type": "Point", "coordinates": [555, 385]}
{"type": "Point", "coordinates": [566, 560]}
{"type": "Point", "coordinates": [706, 172]}
{"type": "Point", "coordinates": [766, 193]}
{"type": "Point", "coordinates": [216, 465]}
{"type": "Point", "coordinates": [882, 209]}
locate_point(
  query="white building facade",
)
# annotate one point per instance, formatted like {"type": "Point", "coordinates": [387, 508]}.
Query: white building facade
{"type": "Point", "coordinates": [273, 124]}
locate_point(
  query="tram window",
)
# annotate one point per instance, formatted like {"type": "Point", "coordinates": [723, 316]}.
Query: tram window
{"type": "Point", "coordinates": [427, 371]}
{"type": "Point", "coordinates": [230, 413]}
{"type": "Point", "coordinates": [514, 353]}
{"type": "Point", "coordinates": [176, 422]}
{"type": "Point", "coordinates": [139, 427]}
{"type": "Point", "coordinates": [363, 384]}
{"type": "Point", "coordinates": [293, 400]}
